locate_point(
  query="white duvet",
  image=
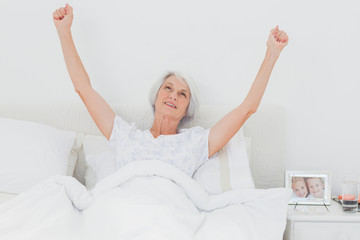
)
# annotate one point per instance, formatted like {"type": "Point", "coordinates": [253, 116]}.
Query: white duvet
{"type": "Point", "coordinates": [143, 200]}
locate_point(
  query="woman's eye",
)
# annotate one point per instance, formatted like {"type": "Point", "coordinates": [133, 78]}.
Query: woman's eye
{"type": "Point", "coordinates": [183, 94]}
{"type": "Point", "coordinates": [167, 87]}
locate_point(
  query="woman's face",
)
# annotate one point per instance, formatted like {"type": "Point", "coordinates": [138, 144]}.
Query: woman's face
{"type": "Point", "coordinates": [173, 98]}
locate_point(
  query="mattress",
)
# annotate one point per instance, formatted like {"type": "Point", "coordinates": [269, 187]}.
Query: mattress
{"type": "Point", "coordinates": [6, 197]}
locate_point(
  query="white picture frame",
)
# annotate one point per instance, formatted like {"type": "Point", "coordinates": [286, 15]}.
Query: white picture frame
{"type": "Point", "coordinates": [309, 187]}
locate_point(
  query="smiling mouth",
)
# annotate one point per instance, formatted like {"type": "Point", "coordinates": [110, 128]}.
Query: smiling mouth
{"type": "Point", "coordinates": [170, 105]}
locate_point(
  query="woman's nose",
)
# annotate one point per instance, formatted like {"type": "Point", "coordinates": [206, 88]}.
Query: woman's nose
{"type": "Point", "coordinates": [172, 96]}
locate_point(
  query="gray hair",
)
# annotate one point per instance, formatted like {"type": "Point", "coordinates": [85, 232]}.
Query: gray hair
{"type": "Point", "coordinates": [193, 104]}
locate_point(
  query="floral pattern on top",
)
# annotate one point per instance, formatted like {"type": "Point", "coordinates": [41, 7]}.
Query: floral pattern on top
{"type": "Point", "coordinates": [187, 150]}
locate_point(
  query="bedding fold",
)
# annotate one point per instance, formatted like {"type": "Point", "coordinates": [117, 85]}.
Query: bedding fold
{"type": "Point", "coordinates": [143, 200]}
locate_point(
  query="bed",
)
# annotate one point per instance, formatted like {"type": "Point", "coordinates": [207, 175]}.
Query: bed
{"type": "Point", "coordinates": [128, 201]}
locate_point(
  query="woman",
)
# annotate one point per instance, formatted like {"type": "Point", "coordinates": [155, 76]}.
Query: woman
{"type": "Point", "coordinates": [173, 103]}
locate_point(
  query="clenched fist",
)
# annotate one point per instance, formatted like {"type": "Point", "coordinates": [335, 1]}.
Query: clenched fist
{"type": "Point", "coordinates": [278, 39]}
{"type": "Point", "coordinates": [63, 17]}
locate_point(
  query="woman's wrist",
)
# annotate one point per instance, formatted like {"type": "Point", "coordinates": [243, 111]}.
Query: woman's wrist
{"type": "Point", "coordinates": [272, 55]}
{"type": "Point", "coordinates": [63, 32]}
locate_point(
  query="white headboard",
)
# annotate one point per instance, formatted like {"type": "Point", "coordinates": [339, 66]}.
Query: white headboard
{"type": "Point", "coordinates": [265, 127]}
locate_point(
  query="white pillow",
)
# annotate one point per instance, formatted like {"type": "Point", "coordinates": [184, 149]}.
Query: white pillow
{"type": "Point", "coordinates": [30, 153]}
{"type": "Point", "coordinates": [100, 159]}
{"type": "Point", "coordinates": [229, 168]}
{"type": "Point", "coordinates": [224, 171]}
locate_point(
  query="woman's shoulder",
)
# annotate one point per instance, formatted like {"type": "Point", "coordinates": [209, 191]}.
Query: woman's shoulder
{"type": "Point", "coordinates": [120, 122]}
{"type": "Point", "coordinates": [194, 131]}
{"type": "Point", "coordinates": [122, 127]}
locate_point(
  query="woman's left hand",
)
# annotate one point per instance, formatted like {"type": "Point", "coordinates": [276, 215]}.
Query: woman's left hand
{"type": "Point", "coordinates": [278, 39]}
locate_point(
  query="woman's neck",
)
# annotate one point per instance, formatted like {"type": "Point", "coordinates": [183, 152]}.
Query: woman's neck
{"type": "Point", "coordinates": [164, 126]}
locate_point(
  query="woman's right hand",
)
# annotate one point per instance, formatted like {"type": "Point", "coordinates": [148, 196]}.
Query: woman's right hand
{"type": "Point", "coordinates": [63, 17]}
{"type": "Point", "coordinates": [277, 40]}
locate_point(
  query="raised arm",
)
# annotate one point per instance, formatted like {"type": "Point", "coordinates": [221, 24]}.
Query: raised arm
{"type": "Point", "coordinates": [226, 128]}
{"type": "Point", "coordinates": [99, 110]}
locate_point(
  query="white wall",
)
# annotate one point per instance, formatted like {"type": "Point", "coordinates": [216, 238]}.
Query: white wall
{"type": "Point", "coordinates": [125, 46]}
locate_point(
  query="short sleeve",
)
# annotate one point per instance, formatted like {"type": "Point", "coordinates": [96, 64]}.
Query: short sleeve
{"type": "Point", "coordinates": [121, 129]}
{"type": "Point", "coordinates": [200, 140]}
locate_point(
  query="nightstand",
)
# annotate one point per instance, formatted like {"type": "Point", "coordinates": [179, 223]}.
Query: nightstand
{"type": "Point", "coordinates": [316, 223]}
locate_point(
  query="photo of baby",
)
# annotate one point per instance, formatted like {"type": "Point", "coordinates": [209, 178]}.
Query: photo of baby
{"type": "Point", "coordinates": [308, 187]}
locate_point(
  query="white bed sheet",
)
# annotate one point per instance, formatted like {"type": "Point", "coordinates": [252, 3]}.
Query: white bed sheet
{"type": "Point", "coordinates": [4, 197]}
{"type": "Point", "coordinates": [143, 200]}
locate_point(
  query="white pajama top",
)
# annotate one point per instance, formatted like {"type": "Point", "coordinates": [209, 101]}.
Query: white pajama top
{"type": "Point", "coordinates": [187, 150]}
